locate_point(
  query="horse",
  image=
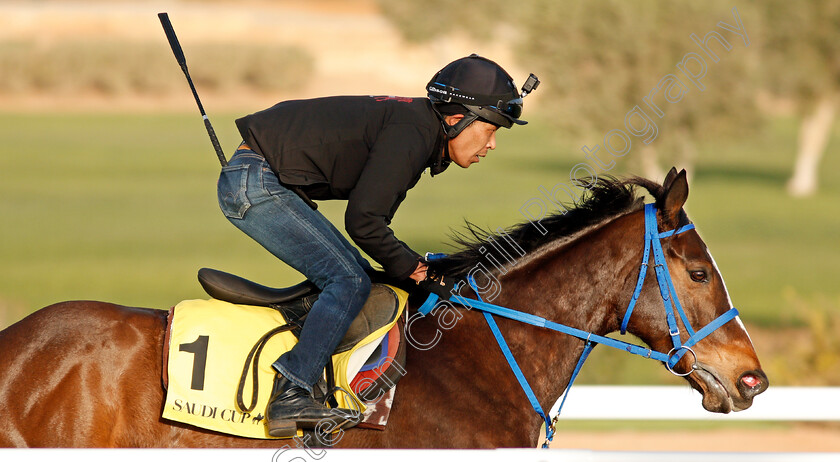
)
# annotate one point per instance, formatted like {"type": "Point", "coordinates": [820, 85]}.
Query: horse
{"type": "Point", "coordinates": [87, 373]}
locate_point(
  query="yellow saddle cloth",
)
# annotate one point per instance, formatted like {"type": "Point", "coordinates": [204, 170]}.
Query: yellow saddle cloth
{"type": "Point", "coordinates": [209, 341]}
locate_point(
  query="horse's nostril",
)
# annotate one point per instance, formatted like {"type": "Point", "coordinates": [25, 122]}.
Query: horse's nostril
{"type": "Point", "coordinates": [751, 381]}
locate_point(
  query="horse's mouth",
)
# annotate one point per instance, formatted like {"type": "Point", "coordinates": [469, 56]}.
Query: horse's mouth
{"type": "Point", "coordinates": [716, 396]}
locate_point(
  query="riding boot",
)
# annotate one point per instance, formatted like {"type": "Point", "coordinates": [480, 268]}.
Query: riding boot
{"type": "Point", "coordinates": [292, 407]}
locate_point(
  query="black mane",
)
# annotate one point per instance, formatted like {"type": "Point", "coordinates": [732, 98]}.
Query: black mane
{"type": "Point", "coordinates": [608, 198]}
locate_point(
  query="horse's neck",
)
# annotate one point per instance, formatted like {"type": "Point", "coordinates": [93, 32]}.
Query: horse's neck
{"type": "Point", "coordinates": [581, 284]}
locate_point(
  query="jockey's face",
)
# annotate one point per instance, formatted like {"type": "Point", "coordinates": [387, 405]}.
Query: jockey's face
{"type": "Point", "coordinates": [473, 143]}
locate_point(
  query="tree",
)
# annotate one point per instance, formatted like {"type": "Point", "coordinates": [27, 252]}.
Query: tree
{"type": "Point", "coordinates": [808, 32]}
{"type": "Point", "coordinates": [617, 74]}
{"type": "Point", "coordinates": [609, 57]}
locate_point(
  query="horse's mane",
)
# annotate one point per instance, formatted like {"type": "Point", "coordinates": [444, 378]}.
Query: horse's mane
{"type": "Point", "coordinates": [608, 198]}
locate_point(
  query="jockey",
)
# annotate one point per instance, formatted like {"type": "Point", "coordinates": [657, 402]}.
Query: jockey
{"type": "Point", "coordinates": [368, 151]}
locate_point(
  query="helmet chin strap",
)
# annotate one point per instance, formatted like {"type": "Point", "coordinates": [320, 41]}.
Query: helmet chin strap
{"type": "Point", "coordinates": [444, 160]}
{"type": "Point", "coordinates": [451, 131]}
{"type": "Point", "coordinates": [454, 130]}
{"type": "Point", "coordinates": [442, 163]}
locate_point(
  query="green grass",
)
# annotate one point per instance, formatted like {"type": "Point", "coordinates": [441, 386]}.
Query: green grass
{"type": "Point", "coordinates": [122, 208]}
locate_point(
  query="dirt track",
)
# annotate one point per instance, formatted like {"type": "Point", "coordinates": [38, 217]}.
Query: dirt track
{"type": "Point", "coordinates": [799, 438]}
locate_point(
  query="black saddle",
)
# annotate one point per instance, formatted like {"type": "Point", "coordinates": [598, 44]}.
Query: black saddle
{"type": "Point", "coordinates": [294, 302]}
{"type": "Point", "coordinates": [240, 291]}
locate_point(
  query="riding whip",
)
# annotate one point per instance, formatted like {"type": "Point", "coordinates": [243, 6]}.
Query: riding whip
{"type": "Point", "coordinates": [182, 61]}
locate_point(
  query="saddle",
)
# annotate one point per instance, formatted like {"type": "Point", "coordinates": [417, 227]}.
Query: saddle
{"type": "Point", "coordinates": [294, 302]}
{"type": "Point", "coordinates": [244, 315]}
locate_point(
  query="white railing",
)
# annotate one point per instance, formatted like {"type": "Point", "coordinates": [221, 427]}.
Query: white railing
{"type": "Point", "coordinates": [585, 402]}
{"type": "Point", "coordinates": [595, 402]}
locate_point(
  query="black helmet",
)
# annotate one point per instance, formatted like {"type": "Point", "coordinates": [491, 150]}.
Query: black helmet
{"type": "Point", "coordinates": [483, 88]}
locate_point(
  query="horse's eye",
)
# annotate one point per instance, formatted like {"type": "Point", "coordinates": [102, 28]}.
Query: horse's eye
{"type": "Point", "coordinates": [698, 276]}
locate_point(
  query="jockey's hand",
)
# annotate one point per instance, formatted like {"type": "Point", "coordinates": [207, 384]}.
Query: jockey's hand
{"type": "Point", "coordinates": [440, 285]}
{"type": "Point", "coordinates": [419, 273]}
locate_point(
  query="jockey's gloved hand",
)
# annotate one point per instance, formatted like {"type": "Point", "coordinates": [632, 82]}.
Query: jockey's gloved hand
{"type": "Point", "coordinates": [440, 285]}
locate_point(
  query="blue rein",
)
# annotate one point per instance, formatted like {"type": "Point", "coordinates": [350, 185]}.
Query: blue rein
{"type": "Point", "coordinates": [672, 304]}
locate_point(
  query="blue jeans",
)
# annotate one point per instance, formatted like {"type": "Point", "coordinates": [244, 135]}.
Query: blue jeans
{"type": "Point", "coordinates": [252, 198]}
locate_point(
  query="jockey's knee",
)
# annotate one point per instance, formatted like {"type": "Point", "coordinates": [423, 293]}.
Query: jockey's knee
{"type": "Point", "coordinates": [357, 286]}
{"type": "Point", "coordinates": [363, 286]}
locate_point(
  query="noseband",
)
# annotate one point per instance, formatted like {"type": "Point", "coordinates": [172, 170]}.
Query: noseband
{"type": "Point", "coordinates": [673, 308]}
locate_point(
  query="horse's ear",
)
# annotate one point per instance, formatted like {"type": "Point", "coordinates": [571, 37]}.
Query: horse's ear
{"type": "Point", "coordinates": [669, 178]}
{"type": "Point", "coordinates": [676, 193]}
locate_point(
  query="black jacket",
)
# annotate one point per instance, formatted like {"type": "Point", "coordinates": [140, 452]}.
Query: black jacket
{"type": "Point", "coordinates": [365, 149]}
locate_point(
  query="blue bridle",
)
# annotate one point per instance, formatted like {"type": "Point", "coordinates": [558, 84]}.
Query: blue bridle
{"type": "Point", "coordinates": [673, 308]}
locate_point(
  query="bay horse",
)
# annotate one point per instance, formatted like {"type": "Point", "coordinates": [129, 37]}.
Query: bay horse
{"type": "Point", "coordinates": [88, 374]}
